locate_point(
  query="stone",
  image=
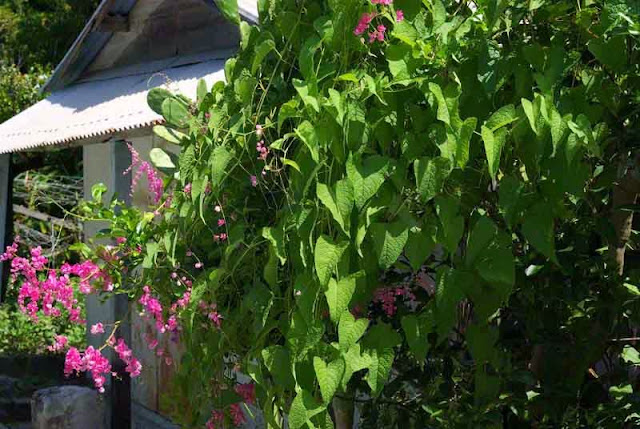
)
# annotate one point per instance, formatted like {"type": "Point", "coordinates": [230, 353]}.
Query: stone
{"type": "Point", "coordinates": [67, 407]}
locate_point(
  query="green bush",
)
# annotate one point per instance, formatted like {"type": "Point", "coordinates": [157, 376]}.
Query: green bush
{"type": "Point", "coordinates": [19, 335]}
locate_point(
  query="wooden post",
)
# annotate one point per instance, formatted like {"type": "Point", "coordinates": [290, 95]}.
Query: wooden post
{"type": "Point", "coordinates": [106, 163]}
{"type": "Point", "coordinates": [6, 216]}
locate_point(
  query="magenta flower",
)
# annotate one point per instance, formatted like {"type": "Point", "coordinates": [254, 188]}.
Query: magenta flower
{"type": "Point", "coordinates": [221, 222]}
{"type": "Point", "coordinates": [254, 180]}
{"type": "Point", "coordinates": [399, 15]}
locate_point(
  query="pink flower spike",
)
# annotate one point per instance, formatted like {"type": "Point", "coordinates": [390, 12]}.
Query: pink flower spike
{"type": "Point", "coordinates": [121, 240]}
{"type": "Point", "coordinates": [254, 181]}
{"type": "Point", "coordinates": [98, 328]}
{"type": "Point", "coordinates": [399, 15]}
{"type": "Point", "coordinates": [221, 222]}
{"type": "Point", "coordinates": [187, 189]}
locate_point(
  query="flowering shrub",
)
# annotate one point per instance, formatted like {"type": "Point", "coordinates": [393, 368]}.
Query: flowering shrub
{"type": "Point", "coordinates": [421, 208]}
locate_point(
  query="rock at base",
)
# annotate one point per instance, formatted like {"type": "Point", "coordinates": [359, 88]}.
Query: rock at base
{"type": "Point", "coordinates": [67, 407]}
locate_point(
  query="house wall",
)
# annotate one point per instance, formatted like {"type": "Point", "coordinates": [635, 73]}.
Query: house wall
{"type": "Point", "coordinates": [105, 163]}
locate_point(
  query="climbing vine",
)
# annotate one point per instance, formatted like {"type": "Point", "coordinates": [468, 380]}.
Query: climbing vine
{"type": "Point", "coordinates": [420, 209]}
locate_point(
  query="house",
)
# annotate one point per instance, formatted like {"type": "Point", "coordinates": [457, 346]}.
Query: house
{"type": "Point", "coordinates": [98, 100]}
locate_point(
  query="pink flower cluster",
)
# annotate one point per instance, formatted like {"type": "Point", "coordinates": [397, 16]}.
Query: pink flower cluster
{"type": "Point", "coordinates": [377, 34]}
{"type": "Point", "coordinates": [262, 150]}
{"type": "Point", "coordinates": [46, 290]}
{"type": "Point", "coordinates": [220, 237]}
{"type": "Point", "coordinates": [153, 308]}
{"type": "Point", "coordinates": [237, 416]}
{"type": "Point", "coordinates": [363, 24]}
{"type": "Point", "coordinates": [134, 367]}
{"type": "Point", "coordinates": [216, 420]}
{"type": "Point", "coordinates": [60, 343]}
{"type": "Point", "coordinates": [387, 297]}
{"type": "Point", "coordinates": [211, 310]}
{"type": "Point", "coordinates": [248, 394]}
{"type": "Point", "coordinates": [93, 361]}
{"type": "Point", "coordinates": [156, 187]}
{"type": "Point", "coordinates": [96, 329]}
{"type": "Point", "coordinates": [379, 31]}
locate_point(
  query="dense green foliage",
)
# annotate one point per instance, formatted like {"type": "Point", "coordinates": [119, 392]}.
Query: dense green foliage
{"type": "Point", "coordinates": [428, 230]}
{"type": "Point", "coordinates": [20, 336]}
{"type": "Point", "coordinates": [34, 36]}
{"type": "Point", "coordinates": [40, 32]}
{"type": "Point", "coordinates": [18, 90]}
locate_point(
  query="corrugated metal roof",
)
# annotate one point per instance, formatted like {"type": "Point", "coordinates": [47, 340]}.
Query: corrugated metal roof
{"type": "Point", "coordinates": [89, 43]}
{"type": "Point", "coordinates": [101, 107]}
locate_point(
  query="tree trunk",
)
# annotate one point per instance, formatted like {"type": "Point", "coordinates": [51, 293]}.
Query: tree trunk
{"type": "Point", "coordinates": [343, 412]}
{"type": "Point", "coordinates": [625, 193]}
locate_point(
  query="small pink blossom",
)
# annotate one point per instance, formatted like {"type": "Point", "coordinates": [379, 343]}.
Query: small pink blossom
{"type": "Point", "coordinates": [399, 15]}
{"type": "Point", "coordinates": [253, 180]}
{"type": "Point", "coordinates": [198, 265]}
{"type": "Point", "coordinates": [121, 240]}
{"type": "Point", "coordinates": [187, 189]}
{"type": "Point", "coordinates": [98, 328]}
{"type": "Point", "coordinates": [221, 222]}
